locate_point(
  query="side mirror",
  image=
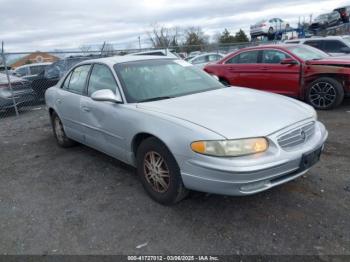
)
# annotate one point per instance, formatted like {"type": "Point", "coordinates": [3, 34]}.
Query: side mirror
{"type": "Point", "coordinates": [345, 50]}
{"type": "Point", "coordinates": [106, 95]}
{"type": "Point", "coordinates": [289, 61]}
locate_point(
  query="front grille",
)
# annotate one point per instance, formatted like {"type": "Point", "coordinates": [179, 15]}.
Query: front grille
{"type": "Point", "coordinates": [297, 136]}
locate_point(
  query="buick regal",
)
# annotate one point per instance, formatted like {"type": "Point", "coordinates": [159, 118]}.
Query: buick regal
{"type": "Point", "coordinates": [182, 129]}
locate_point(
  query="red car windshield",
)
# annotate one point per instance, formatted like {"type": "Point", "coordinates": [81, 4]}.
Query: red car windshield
{"type": "Point", "coordinates": [307, 52]}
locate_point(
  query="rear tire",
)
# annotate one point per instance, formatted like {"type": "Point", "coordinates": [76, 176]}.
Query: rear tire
{"type": "Point", "coordinates": [58, 130]}
{"type": "Point", "coordinates": [325, 93]}
{"type": "Point", "coordinates": [159, 172]}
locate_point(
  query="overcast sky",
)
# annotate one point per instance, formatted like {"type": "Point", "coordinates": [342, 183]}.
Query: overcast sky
{"type": "Point", "coordinates": [46, 25]}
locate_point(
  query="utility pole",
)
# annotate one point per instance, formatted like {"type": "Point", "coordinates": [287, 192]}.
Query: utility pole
{"type": "Point", "coordinates": [139, 37]}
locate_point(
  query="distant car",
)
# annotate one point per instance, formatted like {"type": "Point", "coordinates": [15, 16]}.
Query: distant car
{"type": "Point", "coordinates": [268, 27]}
{"type": "Point", "coordinates": [194, 53]}
{"type": "Point", "coordinates": [326, 20]}
{"type": "Point", "coordinates": [31, 70]}
{"type": "Point", "coordinates": [204, 59]}
{"type": "Point", "coordinates": [53, 73]}
{"type": "Point", "coordinates": [344, 13]}
{"type": "Point", "coordinates": [22, 92]}
{"type": "Point", "coordinates": [160, 52]}
{"type": "Point", "coordinates": [333, 45]}
{"type": "Point", "coordinates": [299, 71]}
{"type": "Point", "coordinates": [182, 129]}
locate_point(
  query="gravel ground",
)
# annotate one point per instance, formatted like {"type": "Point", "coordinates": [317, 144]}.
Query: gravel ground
{"type": "Point", "coordinates": [80, 201]}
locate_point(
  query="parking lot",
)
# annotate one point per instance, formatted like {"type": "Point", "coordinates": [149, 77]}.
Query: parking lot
{"type": "Point", "coordinates": [80, 201]}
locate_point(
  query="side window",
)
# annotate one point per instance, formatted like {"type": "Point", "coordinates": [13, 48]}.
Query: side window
{"type": "Point", "coordinates": [22, 71]}
{"type": "Point", "coordinates": [78, 79]}
{"type": "Point", "coordinates": [66, 82]}
{"type": "Point", "coordinates": [273, 57]}
{"type": "Point", "coordinates": [35, 70]}
{"type": "Point", "coordinates": [314, 43]}
{"type": "Point", "coordinates": [333, 46]}
{"type": "Point", "coordinates": [233, 60]}
{"type": "Point", "coordinates": [213, 58]}
{"type": "Point", "coordinates": [200, 60]}
{"type": "Point", "coordinates": [101, 78]}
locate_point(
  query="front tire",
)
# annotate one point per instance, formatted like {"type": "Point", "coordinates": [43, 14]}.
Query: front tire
{"type": "Point", "coordinates": [59, 133]}
{"type": "Point", "coordinates": [159, 172]}
{"type": "Point", "coordinates": [325, 93]}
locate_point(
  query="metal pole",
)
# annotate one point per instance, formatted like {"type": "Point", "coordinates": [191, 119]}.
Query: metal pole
{"type": "Point", "coordinates": [8, 77]}
{"type": "Point", "coordinates": [139, 42]}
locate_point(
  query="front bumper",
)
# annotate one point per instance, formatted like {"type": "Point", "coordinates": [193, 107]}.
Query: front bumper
{"type": "Point", "coordinates": [251, 174]}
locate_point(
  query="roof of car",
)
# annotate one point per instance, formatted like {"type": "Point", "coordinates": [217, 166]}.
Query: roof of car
{"type": "Point", "coordinates": [123, 59]}
{"type": "Point", "coordinates": [278, 46]}
{"type": "Point", "coordinates": [338, 37]}
{"type": "Point", "coordinates": [35, 64]}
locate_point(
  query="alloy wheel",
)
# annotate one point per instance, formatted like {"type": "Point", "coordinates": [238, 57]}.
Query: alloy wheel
{"type": "Point", "coordinates": [156, 172]}
{"type": "Point", "coordinates": [322, 95]}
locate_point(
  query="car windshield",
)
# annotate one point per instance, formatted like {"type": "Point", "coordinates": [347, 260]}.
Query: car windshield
{"type": "Point", "coordinates": [161, 79]}
{"type": "Point", "coordinates": [307, 52]}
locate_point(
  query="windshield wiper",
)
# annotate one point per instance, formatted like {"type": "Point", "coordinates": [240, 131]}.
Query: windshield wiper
{"type": "Point", "coordinates": [155, 99]}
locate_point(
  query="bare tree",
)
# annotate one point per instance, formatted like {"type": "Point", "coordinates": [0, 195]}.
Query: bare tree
{"type": "Point", "coordinates": [107, 49]}
{"type": "Point", "coordinates": [195, 39]}
{"type": "Point", "coordinates": [85, 49]}
{"type": "Point", "coordinates": [164, 37]}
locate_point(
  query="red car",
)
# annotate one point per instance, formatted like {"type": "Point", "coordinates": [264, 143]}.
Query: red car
{"type": "Point", "coordinates": [299, 71]}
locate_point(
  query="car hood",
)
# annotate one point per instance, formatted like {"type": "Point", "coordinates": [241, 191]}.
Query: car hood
{"type": "Point", "coordinates": [234, 112]}
{"type": "Point", "coordinates": [339, 60]}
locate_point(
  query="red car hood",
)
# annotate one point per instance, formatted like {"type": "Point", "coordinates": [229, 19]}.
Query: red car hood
{"type": "Point", "coordinates": [341, 60]}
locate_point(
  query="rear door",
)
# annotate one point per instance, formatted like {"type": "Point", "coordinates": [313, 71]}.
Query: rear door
{"type": "Point", "coordinates": [278, 78]}
{"type": "Point", "coordinates": [69, 99]}
{"type": "Point", "coordinates": [242, 69]}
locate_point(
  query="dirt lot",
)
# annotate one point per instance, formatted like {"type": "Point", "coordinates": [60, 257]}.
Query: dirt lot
{"type": "Point", "coordinates": [80, 201]}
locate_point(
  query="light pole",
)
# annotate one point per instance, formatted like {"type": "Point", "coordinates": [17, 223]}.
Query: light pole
{"type": "Point", "coordinates": [139, 37]}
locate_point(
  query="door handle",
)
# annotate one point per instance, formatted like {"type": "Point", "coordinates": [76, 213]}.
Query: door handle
{"type": "Point", "coordinates": [86, 109]}
{"type": "Point", "coordinates": [264, 68]}
{"type": "Point", "coordinates": [59, 101]}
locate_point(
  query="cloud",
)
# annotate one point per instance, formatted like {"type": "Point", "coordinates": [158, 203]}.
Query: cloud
{"type": "Point", "coordinates": [48, 25]}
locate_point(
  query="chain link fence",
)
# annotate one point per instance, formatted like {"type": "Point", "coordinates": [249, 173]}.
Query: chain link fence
{"type": "Point", "coordinates": [24, 77]}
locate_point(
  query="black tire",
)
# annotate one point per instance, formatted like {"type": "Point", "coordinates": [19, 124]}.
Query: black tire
{"type": "Point", "coordinates": [325, 93]}
{"type": "Point", "coordinates": [59, 133]}
{"type": "Point", "coordinates": [224, 82]}
{"type": "Point", "coordinates": [173, 190]}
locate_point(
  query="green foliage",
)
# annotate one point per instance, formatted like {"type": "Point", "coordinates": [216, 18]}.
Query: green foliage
{"type": "Point", "coordinates": [226, 37]}
{"type": "Point", "coordinates": [241, 36]}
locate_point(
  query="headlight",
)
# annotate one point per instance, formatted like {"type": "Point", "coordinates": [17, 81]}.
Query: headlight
{"type": "Point", "coordinates": [231, 148]}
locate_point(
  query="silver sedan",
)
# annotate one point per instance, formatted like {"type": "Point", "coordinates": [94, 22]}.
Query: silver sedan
{"type": "Point", "coordinates": [182, 129]}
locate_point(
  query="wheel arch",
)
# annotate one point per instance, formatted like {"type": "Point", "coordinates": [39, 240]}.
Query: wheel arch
{"type": "Point", "coordinates": [341, 78]}
{"type": "Point", "coordinates": [140, 137]}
